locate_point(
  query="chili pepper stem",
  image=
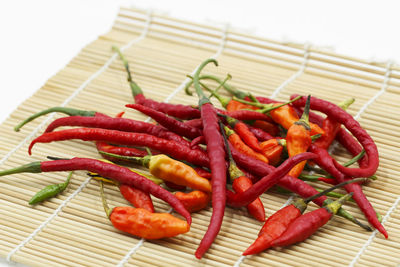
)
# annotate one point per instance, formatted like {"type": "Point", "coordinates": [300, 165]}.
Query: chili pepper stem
{"type": "Point", "coordinates": [135, 88]}
{"type": "Point", "coordinates": [304, 120]}
{"type": "Point", "coordinates": [234, 171]}
{"type": "Point", "coordinates": [335, 205]}
{"type": "Point", "coordinates": [202, 97]}
{"type": "Point", "coordinates": [33, 167]}
{"type": "Point", "coordinates": [144, 161]}
{"type": "Point", "coordinates": [346, 103]}
{"type": "Point", "coordinates": [107, 209]}
{"type": "Point", "coordinates": [65, 110]}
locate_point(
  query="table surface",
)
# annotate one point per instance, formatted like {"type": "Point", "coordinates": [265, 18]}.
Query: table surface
{"type": "Point", "coordinates": [40, 37]}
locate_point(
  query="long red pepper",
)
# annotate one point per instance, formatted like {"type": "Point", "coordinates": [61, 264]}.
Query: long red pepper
{"type": "Point", "coordinates": [260, 134]}
{"type": "Point", "coordinates": [325, 161]}
{"type": "Point", "coordinates": [307, 224]}
{"type": "Point", "coordinates": [118, 173]}
{"type": "Point", "coordinates": [123, 151]}
{"type": "Point", "coordinates": [120, 124]}
{"type": "Point", "coordinates": [168, 147]}
{"type": "Point", "coordinates": [216, 152]}
{"type": "Point", "coordinates": [244, 198]}
{"type": "Point", "coordinates": [288, 182]}
{"type": "Point", "coordinates": [341, 116]}
{"type": "Point", "coordinates": [170, 123]}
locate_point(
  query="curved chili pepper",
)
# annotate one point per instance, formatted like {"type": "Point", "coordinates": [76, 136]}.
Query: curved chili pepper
{"type": "Point", "coordinates": [237, 142]}
{"type": "Point", "coordinates": [197, 141]}
{"type": "Point", "coordinates": [216, 152]}
{"type": "Point", "coordinates": [50, 191]}
{"type": "Point", "coordinates": [298, 139]}
{"type": "Point", "coordinates": [171, 124]}
{"type": "Point", "coordinates": [112, 171]}
{"type": "Point", "coordinates": [169, 147]}
{"type": "Point", "coordinates": [143, 223]}
{"type": "Point", "coordinates": [125, 151]}
{"type": "Point", "coordinates": [196, 123]}
{"type": "Point", "coordinates": [307, 224]}
{"type": "Point", "coordinates": [120, 124]}
{"type": "Point", "coordinates": [194, 201]}
{"type": "Point", "coordinates": [325, 161]}
{"type": "Point", "coordinates": [137, 197]}
{"type": "Point", "coordinates": [288, 182]}
{"type": "Point", "coordinates": [176, 110]}
{"type": "Point", "coordinates": [272, 149]}
{"type": "Point", "coordinates": [260, 134]}
{"type": "Point", "coordinates": [242, 199]}
{"type": "Point", "coordinates": [341, 116]}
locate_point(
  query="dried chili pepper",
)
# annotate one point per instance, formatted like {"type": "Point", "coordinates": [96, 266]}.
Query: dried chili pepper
{"type": "Point", "coordinates": [341, 116]}
{"type": "Point", "coordinates": [272, 149]}
{"type": "Point", "coordinates": [278, 222]}
{"type": "Point", "coordinates": [298, 139]}
{"type": "Point", "coordinates": [260, 134]}
{"type": "Point", "coordinates": [112, 171]}
{"type": "Point", "coordinates": [241, 183]}
{"type": "Point", "coordinates": [288, 182]}
{"type": "Point", "coordinates": [143, 223]}
{"type": "Point", "coordinates": [175, 110]}
{"type": "Point", "coordinates": [307, 224]}
{"type": "Point", "coordinates": [171, 124]}
{"type": "Point", "coordinates": [50, 191]}
{"type": "Point", "coordinates": [125, 151]}
{"type": "Point", "coordinates": [120, 124]}
{"type": "Point", "coordinates": [216, 152]}
{"type": "Point", "coordinates": [194, 201]}
{"type": "Point", "coordinates": [137, 197]}
{"type": "Point", "coordinates": [274, 177]}
{"type": "Point", "coordinates": [171, 170]}
{"type": "Point", "coordinates": [237, 142]}
{"type": "Point", "coordinates": [172, 148]}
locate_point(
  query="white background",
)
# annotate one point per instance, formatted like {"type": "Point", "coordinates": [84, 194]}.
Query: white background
{"type": "Point", "coordinates": [39, 37]}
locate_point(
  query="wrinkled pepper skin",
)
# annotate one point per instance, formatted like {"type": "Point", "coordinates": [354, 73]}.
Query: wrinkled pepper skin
{"type": "Point", "coordinates": [298, 140]}
{"type": "Point", "coordinates": [137, 197]}
{"type": "Point", "coordinates": [142, 223]}
{"type": "Point", "coordinates": [194, 201]}
{"type": "Point", "coordinates": [177, 172]}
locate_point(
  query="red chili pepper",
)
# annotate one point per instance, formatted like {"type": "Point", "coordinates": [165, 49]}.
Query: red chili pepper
{"type": "Point", "coordinates": [307, 224]}
{"type": "Point", "coordinates": [267, 127]}
{"type": "Point", "coordinates": [290, 183]}
{"type": "Point", "coordinates": [121, 174]}
{"type": "Point", "coordinates": [125, 151]}
{"type": "Point", "coordinates": [274, 177]}
{"type": "Point", "coordinates": [215, 151]}
{"type": "Point", "coordinates": [174, 186]}
{"type": "Point", "coordinates": [169, 147]}
{"type": "Point", "coordinates": [298, 139]}
{"type": "Point", "coordinates": [245, 134]}
{"type": "Point", "coordinates": [260, 134]}
{"type": "Point", "coordinates": [120, 124]}
{"type": "Point", "coordinates": [325, 161]}
{"type": "Point", "coordinates": [137, 197]}
{"type": "Point", "coordinates": [171, 124]}
{"type": "Point", "coordinates": [341, 116]}
{"type": "Point", "coordinates": [203, 173]}
{"type": "Point", "coordinates": [272, 149]}
{"type": "Point", "coordinates": [194, 201]}
{"type": "Point", "coordinates": [197, 141]}
{"type": "Point", "coordinates": [196, 123]}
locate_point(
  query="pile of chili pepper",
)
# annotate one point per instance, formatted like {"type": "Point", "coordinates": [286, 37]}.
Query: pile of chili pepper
{"type": "Point", "coordinates": [200, 152]}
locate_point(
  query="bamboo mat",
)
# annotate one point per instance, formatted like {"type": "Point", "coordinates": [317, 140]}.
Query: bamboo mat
{"type": "Point", "coordinates": [72, 230]}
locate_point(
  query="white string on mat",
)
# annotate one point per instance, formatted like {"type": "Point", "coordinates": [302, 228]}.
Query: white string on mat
{"type": "Point", "coordinates": [295, 75]}
{"type": "Point", "coordinates": [169, 97]}
{"type": "Point", "coordinates": [372, 236]}
{"type": "Point", "coordinates": [51, 217]}
{"type": "Point", "coordinates": [74, 94]}
{"type": "Point", "coordinates": [273, 95]}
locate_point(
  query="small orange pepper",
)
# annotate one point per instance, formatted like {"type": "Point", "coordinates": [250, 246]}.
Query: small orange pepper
{"type": "Point", "coordinates": [194, 201]}
{"type": "Point", "coordinates": [272, 149]}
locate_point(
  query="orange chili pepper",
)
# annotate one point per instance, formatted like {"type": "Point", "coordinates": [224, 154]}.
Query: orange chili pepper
{"type": "Point", "coordinates": [137, 197]}
{"type": "Point", "coordinates": [143, 223]}
{"type": "Point", "coordinates": [272, 149]}
{"type": "Point", "coordinates": [194, 201]}
{"type": "Point", "coordinates": [237, 142]}
{"type": "Point", "coordinates": [298, 139]}
{"type": "Point", "coordinates": [234, 105]}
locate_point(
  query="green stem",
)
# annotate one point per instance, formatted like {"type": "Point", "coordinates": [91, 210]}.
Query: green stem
{"type": "Point", "coordinates": [65, 110]}
{"type": "Point", "coordinates": [223, 100]}
{"type": "Point", "coordinates": [264, 108]}
{"type": "Point", "coordinates": [33, 167]}
{"type": "Point", "coordinates": [234, 171]}
{"type": "Point", "coordinates": [107, 209]}
{"type": "Point", "coordinates": [144, 161]}
{"type": "Point", "coordinates": [346, 103]}
{"type": "Point", "coordinates": [334, 206]}
{"type": "Point", "coordinates": [135, 88]}
{"type": "Point", "coordinates": [355, 159]}
{"type": "Point", "coordinates": [202, 97]}
{"type": "Point", "coordinates": [315, 137]}
{"type": "Point", "coordinates": [345, 214]}
{"type": "Point", "coordinates": [304, 120]}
